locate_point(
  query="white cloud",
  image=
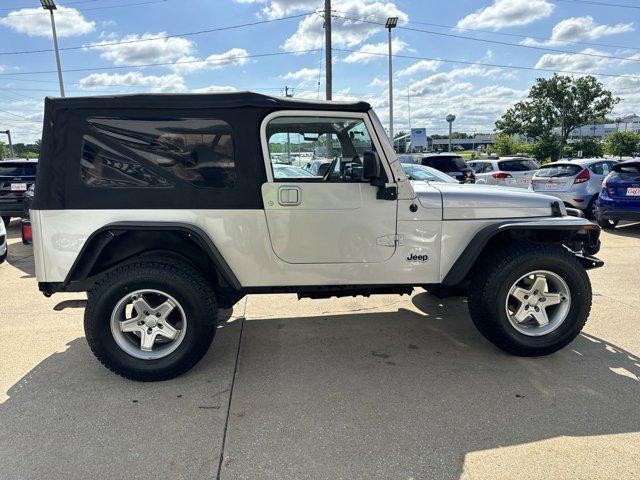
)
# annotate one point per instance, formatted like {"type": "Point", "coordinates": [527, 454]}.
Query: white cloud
{"type": "Point", "coordinates": [35, 22]}
{"type": "Point", "coordinates": [421, 66]}
{"type": "Point", "coordinates": [507, 13]}
{"type": "Point", "coordinates": [374, 51]}
{"type": "Point", "coordinates": [447, 81]}
{"type": "Point", "coordinates": [577, 63]}
{"type": "Point", "coordinates": [153, 50]}
{"type": "Point", "coordinates": [215, 89]}
{"type": "Point", "coordinates": [163, 83]}
{"type": "Point", "coordinates": [216, 61]}
{"type": "Point", "coordinates": [377, 82]}
{"type": "Point", "coordinates": [576, 29]}
{"type": "Point", "coordinates": [304, 74]}
{"type": "Point", "coordinates": [345, 32]}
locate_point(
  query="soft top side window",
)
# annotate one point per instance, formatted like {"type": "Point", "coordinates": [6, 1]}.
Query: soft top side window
{"type": "Point", "coordinates": [318, 148]}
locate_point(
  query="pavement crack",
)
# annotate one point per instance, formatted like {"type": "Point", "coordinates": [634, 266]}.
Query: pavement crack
{"type": "Point", "coordinates": [226, 421]}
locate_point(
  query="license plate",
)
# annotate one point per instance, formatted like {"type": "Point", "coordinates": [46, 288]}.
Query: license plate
{"type": "Point", "coordinates": [633, 192]}
{"type": "Point", "coordinates": [550, 186]}
{"type": "Point", "coordinates": [18, 187]}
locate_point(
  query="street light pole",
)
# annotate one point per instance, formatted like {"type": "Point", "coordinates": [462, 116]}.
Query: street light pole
{"type": "Point", "coordinates": [11, 152]}
{"type": "Point", "coordinates": [392, 22]}
{"type": "Point", "coordinates": [51, 6]}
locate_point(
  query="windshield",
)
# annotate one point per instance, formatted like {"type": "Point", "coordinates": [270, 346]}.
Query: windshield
{"type": "Point", "coordinates": [448, 164]}
{"type": "Point", "coordinates": [18, 170]}
{"type": "Point", "coordinates": [420, 172]}
{"type": "Point", "coordinates": [520, 165]}
{"type": "Point", "coordinates": [563, 170]}
{"type": "Point", "coordinates": [476, 167]}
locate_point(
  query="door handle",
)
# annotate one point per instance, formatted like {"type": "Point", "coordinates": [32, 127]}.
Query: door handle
{"type": "Point", "coordinates": [289, 195]}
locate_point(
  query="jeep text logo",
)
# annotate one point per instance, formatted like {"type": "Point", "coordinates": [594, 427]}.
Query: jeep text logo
{"type": "Point", "coordinates": [417, 258]}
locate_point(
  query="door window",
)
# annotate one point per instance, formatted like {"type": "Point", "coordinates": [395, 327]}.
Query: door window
{"type": "Point", "coordinates": [318, 149]}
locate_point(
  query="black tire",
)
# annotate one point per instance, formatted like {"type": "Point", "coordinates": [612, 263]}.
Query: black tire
{"type": "Point", "coordinates": [592, 209]}
{"type": "Point", "coordinates": [489, 288]}
{"type": "Point", "coordinates": [6, 221]}
{"type": "Point", "coordinates": [180, 280]}
{"type": "Point", "coordinates": [607, 223]}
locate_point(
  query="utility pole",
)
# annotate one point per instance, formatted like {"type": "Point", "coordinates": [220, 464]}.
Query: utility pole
{"type": "Point", "coordinates": [51, 6]}
{"type": "Point", "coordinates": [328, 68]}
{"type": "Point", "coordinates": [11, 152]}
{"type": "Point", "coordinates": [392, 22]}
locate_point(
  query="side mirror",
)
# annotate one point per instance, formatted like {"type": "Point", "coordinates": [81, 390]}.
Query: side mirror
{"type": "Point", "coordinates": [370, 165]}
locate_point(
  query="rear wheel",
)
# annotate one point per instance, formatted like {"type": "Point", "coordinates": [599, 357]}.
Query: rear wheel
{"type": "Point", "coordinates": [151, 320]}
{"type": "Point", "coordinates": [592, 209]}
{"type": "Point", "coordinates": [530, 299]}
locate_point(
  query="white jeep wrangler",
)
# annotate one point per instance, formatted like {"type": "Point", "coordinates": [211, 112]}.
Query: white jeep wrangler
{"type": "Point", "coordinates": [164, 208]}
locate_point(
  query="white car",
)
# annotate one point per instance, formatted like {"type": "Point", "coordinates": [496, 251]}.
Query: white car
{"type": "Point", "coordinates": [505, 171]}
{"type": "Point", "coordinates": [3, 242]}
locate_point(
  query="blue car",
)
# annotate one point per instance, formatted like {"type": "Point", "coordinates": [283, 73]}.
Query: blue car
{"type": "Point", "coordinates": [620, 196]}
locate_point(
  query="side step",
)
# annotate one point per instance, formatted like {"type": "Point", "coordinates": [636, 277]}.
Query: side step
{"type": "Point", "coordinates": [354, 292]}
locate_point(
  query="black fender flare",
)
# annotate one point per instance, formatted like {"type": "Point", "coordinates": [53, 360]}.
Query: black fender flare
{"type": "Point", "coordinates": [465, 262]}
{"type": "Point", "coordinates": [100, 238]}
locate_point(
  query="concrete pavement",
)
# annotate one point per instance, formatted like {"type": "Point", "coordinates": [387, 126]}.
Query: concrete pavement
{"type": "Point", "coordinates": [385, 387]}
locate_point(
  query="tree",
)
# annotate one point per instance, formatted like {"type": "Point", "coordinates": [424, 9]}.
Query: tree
{"type": "Point", "coordinates": [589, 146]}
{"type": "Point", "coordinates": [560, 101]}
{"type": "Point", "coordinates": [546, 148]}
{"type": "Point", "coordinates": [505, 145]}
{"type": "Point", "coordinates": [622, 144]}
{"type": "Point", "coordinates": [401, 133]}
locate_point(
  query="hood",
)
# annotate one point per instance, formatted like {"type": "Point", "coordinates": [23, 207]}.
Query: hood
{"type": "Point", "coordinates": [461, 202]}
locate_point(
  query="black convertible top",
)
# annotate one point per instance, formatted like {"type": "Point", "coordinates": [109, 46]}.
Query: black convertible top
{"type": "Point", "coordinates": [199, 101]}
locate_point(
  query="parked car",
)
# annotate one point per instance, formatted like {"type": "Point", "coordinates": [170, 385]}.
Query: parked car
{"type": "Point", "coordinates": [505, 171]}
{"type": "Point", "coordinates": [16, 176]}
{"type": "Point", "coordinates": [3, 241]}
{"type": "Point", "coordinates": [159, 255]}
{"type": "Point", "coordinates": [289, 171]}
{"type": "Point", "coordinates": [451, 164]}
{"type": "Point", "coordinates": [620, 196]}
{"type": "Point", "coordinates": [25, 225]}
{"type": "Point", "coordinates": [317, 168]}
{"type": "Point", "coordinates": [420, 172]}
{"type": "Point", "coordinates": [576, 182]}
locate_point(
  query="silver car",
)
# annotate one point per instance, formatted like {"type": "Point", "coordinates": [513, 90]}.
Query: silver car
{"type": "Point", "coordinates": [505, 171]}
{"type": "Point", "coordinates": [576, 182]}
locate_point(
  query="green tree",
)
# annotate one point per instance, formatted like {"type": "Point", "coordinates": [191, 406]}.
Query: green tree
{"type": "Point", "coordinates": [401, 133]}
{"type": "Point", "coordinates": [546, 148]}
{"type": "Point", "coordinates": [621, 144]}
{"type": "Point", "coordinates": [589, 146]}
{"type": "Point", "coordinates": [505, 145]}
{"type": "Point", "coordinates": [560, 101]}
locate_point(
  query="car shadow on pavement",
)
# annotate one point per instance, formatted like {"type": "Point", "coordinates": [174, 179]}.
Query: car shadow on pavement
{"type": "Point", "coordinates": [410, 394]}
{"type": "Point", "coordinates": [373, 394]}
{"type": "Point", "coordinates": [18, 254]}
{"type": "Point", "coordinates": [631, 230]}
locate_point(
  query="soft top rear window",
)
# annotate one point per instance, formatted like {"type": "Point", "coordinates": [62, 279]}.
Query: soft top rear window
{"type": "Point", "coordinates": [17, 169]}
{"type": "Point", "coordinates": [562, 170]}
{"type": "Point", "coordinates": [517, 165]}
{"type": "Point", "coordinates": [452, 163]}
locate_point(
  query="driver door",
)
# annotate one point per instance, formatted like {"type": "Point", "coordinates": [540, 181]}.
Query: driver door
{"type": "Point", "coordinates": [329, 218]}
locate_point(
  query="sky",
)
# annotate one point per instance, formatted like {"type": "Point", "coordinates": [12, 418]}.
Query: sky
{"type": "Point", "coordinates": [472, 58]}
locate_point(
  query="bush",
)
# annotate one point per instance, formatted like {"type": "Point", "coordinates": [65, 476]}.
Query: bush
{"type": "Point", "coordinates": [505, 145]}
{"type": "Point", "coordinates": [589, 146]}
{"type": "Point", "coordinates": [622, 144]}
{"type": "Point", "coordinates": [546, 149]}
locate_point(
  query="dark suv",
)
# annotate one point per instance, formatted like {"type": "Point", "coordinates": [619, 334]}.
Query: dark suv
{"type": "Point", "coordinates": [16, 176]}
{"type": "Point", "coordinates": [453, 165]}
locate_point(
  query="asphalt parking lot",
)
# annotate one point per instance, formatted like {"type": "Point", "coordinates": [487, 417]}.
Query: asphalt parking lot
{"type": "Point", "coordinates": [385, 387]}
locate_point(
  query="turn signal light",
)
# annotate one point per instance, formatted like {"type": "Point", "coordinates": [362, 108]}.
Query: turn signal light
{"type": "Point", "coordinates": [583, 176]}
{"type": "Point", "coordinates": [501, 175]}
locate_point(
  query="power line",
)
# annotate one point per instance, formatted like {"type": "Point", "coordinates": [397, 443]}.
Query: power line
{"type": "Point", "coordinates": [165, 64]}
{"type": "Point", "coordinates": [497, 42]}
{"type": "Point", "coordinates": [16, 7]}
{"type": "Point", "coordinates": [106, 7]}
{"type": "Point", "coordinates": [602, 4]}
{"type": "Point", "coordinates": [161, 37]}
{"type": "Point", "coordinates": [495, 65]}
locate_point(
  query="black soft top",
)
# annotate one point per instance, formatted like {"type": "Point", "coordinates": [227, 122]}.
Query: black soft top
{"type": "Point", "coordinates": [200, 101]}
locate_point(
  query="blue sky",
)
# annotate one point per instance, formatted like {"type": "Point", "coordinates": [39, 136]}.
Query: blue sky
{"type": "Point", "coordinates": [568, 35]}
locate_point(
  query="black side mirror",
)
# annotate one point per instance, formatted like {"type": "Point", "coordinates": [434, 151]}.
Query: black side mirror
{"type": "Point", "coordinates": [370, 165]}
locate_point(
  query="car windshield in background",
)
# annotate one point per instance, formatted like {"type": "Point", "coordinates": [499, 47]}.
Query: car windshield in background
{"type": "Point", "coordinates": [520, 165]}
{"type": "Point", "coordinates": [476, 167]}
{"type": "Point", "coordinates": [553, 171]}
{"type": "Point", "coordinates": [448, 164]}
{"type": "Point", "coordinates": [17, 170]}
{"type": "Point", "coordinates": [419, 172]}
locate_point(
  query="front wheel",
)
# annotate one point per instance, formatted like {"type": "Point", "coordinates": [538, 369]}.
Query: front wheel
{"type": "Point", "coordinates": [151, 320]}
{"type": "Point", "coordinates": [530, 299]}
